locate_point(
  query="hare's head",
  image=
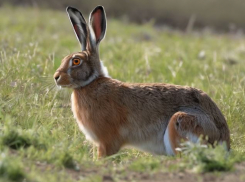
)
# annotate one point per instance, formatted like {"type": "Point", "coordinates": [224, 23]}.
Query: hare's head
{"type": "Point", "coordinates": [81, 68]}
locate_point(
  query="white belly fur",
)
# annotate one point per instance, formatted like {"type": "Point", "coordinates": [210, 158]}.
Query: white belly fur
{"type": "Point", "coordinates": [136, 139]}
{"type": "Point", "coordinates": [148, 146]}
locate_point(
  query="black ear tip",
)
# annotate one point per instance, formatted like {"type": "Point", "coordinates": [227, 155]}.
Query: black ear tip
{"type": "Point", "coordinates": [99, 7]}
{"type": "Point", "coordinates": [69, 8]}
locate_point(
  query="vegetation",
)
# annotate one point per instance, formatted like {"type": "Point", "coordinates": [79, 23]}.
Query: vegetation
{"type": "Point", "coordinates": [11, 169]}
{"type": "Point", "coordinates": [39, 139]}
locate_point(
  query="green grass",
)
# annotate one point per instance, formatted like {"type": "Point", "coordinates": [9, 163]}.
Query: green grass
{"type": "Point", "coordinates": [11, 169]}
{"type": "Point", "coordinates": [37, 128]}
{"type": "Point", "coordinates": [207, 159]}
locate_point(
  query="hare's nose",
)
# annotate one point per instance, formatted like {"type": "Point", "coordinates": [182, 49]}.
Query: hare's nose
{"type": "Point", "coordinates": [56, 76]}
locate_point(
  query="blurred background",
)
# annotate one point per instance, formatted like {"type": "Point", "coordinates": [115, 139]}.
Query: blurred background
{"type": "Point", "coordinates": [221, 15]}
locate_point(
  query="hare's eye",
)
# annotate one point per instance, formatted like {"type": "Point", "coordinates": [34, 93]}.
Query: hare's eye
{"type": "Point", "coordinates": [76, 61]}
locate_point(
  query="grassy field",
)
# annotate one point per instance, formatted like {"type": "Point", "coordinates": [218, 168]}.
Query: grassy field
{"type": "Point", "coordinates": [39, 139]}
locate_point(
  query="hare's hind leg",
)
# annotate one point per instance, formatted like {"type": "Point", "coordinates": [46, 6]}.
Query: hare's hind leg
{"type": "Point", "coordinates": [181, 127]}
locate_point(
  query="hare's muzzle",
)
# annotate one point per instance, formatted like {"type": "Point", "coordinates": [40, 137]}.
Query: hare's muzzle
{"type": "Point", "coordinates": [62, 79]}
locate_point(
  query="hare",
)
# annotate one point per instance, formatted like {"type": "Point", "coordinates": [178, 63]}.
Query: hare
{"type": "Point", "coordinates": [150, 117]}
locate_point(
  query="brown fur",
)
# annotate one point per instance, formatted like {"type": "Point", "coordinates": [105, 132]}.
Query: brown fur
{"type": "Point", "coordinates": [116, 114]}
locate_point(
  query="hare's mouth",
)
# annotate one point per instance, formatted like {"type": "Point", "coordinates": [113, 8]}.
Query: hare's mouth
{"type": "Point", "coordinates": [65, 86]}
{"type": "Point", "coordinates": [68, 86]}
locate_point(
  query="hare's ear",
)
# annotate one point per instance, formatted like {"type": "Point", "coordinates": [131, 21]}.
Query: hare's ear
{"type": "Point", "coordinates": [79, 25]}
{"type": "Point", "coordinates": [97, 21]}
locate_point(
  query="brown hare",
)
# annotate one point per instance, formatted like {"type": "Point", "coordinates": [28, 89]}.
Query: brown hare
{"type": "Point", "coordinates": [151, 117]}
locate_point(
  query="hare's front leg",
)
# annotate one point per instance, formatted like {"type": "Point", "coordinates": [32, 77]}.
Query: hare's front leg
{"type": "Point", "coordinates": [182, 127]}
{"type": "Point", "coordinates": [107, 149]}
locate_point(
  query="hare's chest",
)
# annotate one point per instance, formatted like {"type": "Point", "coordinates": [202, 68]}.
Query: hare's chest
{"type": "Point", "coordinates": [81, 121]}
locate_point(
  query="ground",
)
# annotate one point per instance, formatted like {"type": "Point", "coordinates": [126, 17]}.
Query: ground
{"type": "Point", "coordinates": [40, 140]}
